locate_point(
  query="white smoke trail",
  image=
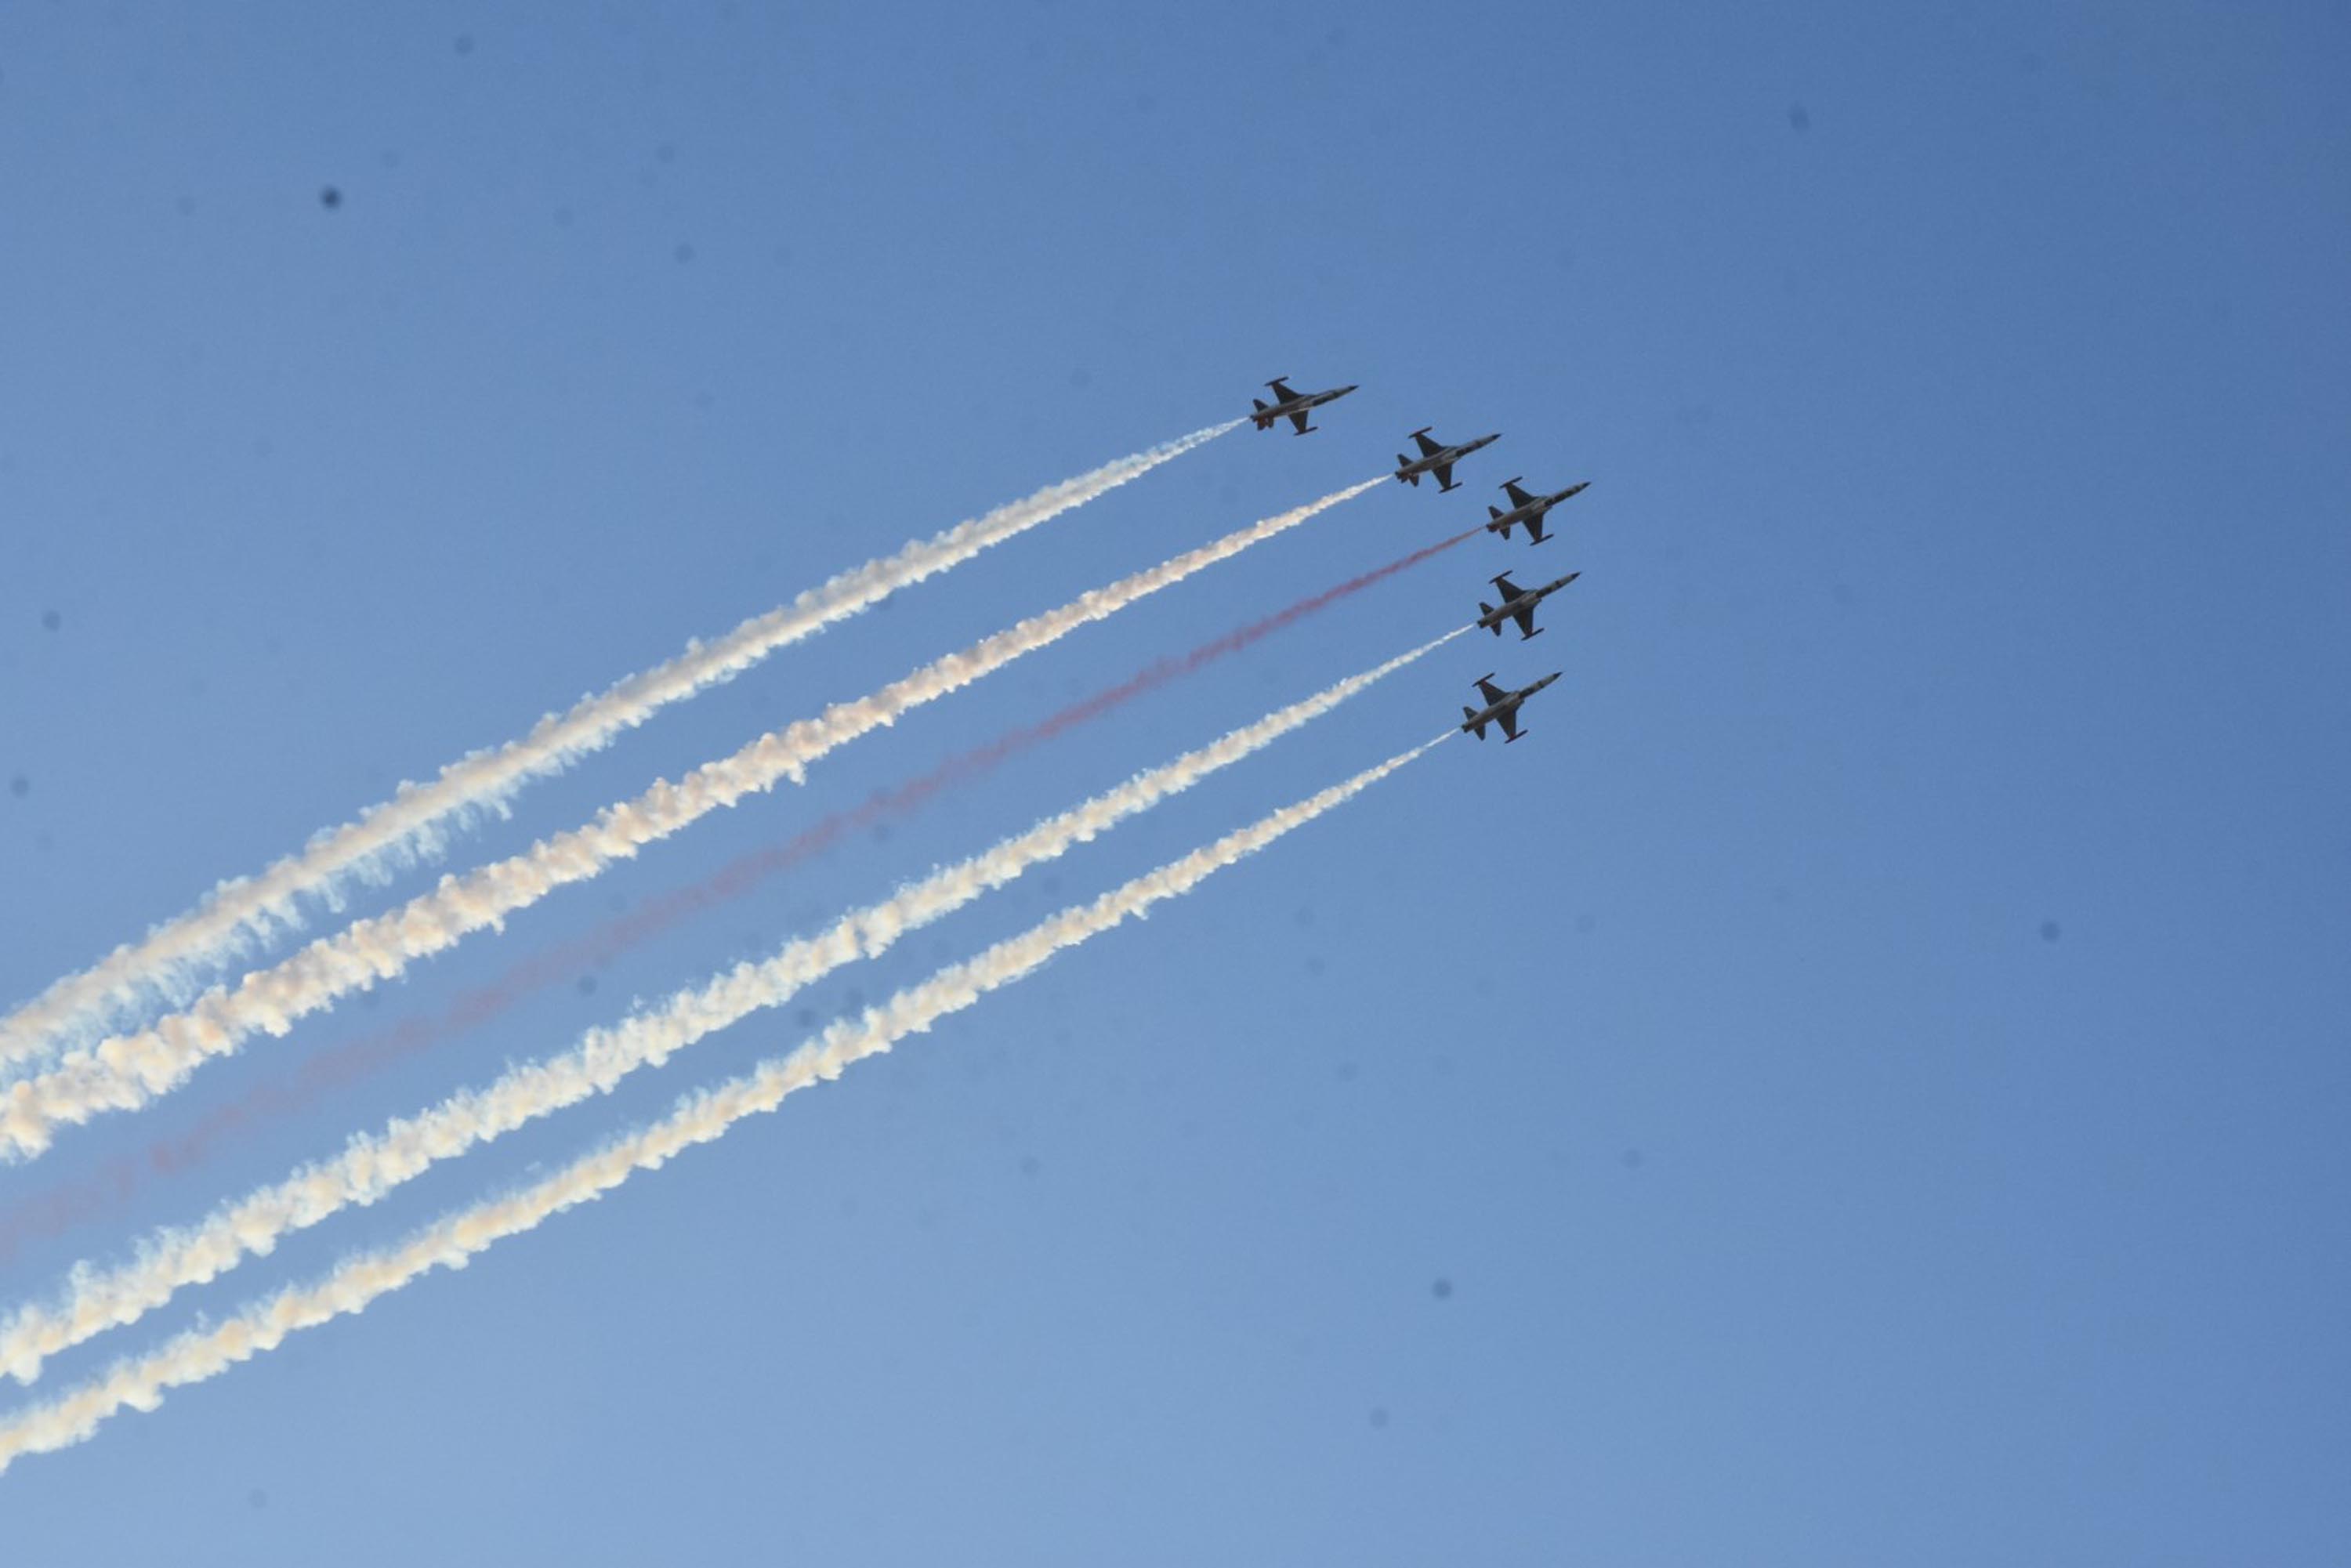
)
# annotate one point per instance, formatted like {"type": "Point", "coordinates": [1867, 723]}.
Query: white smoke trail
{"type": "Point", "coordinates": [128, 1070]}
{"type": "Point", "coordinates": [371, 1167]}
{"type": "Point", "coordinates": [170, 961]}
{"type": "Point", "coordinates": [454, 1239]}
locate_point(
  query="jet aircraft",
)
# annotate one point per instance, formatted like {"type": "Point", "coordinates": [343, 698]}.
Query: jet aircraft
{"type": "Point", "coordinates": [1437, 459]}
{"type": "Point", "coordinates": [1519, 605]}
{"type": "Point", "coordinates": [1528, 509]}
{"type": "Point", "coordinates": [1502, 708]}
{"type": "Point", "coordinates": [1292, 405]}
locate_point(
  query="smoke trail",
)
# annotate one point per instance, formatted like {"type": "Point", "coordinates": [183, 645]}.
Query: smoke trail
{"type": "Point", "coordinates": [61, 1208]}
{"type": "Point", "coordinates": [168, 961]}
{"type": "Point", "coordinates": [371, 1167]}
{"type": "Point", "coordinates": [128, 1070]}
{"type": "Point", "coordinates": [700, 1117]}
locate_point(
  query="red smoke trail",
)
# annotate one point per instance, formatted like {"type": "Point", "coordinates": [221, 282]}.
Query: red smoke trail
{"type": "Point", "coordinates": [345, 1063]}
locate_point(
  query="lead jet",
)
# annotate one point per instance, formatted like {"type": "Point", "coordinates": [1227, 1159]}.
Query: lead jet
{"type": "Point", "coordinates": [1528, 509]}
{"type": "Point", "coordinates": [1519, 603]}
{"type": "Point", "coordinates": [1437, 460]}
{"type": "Point", "coordinates": [1502, 708]}
{"type": "Point", "coordinates": [1292, 405]}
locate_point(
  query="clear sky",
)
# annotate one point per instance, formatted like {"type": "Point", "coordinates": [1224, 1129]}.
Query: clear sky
{"type": "Point", "coordinates": [1865, 1080]}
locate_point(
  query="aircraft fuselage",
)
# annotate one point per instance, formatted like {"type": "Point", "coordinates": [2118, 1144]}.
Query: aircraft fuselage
{"type": "Point", "coordinates": [1265, 416]}
{"type": "Point", "coordinates": [1525, 598]}
{"type": "Point", "coordinates": [1443, 457]}
{"type": "Point", "coordinates": [1533, 511]}
{"type": "Point", "coordinates": [1475, 720]}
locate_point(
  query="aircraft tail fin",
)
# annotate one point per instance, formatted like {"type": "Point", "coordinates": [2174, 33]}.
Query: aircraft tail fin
{"type": "Point", "coordinates": [1401, 463]}
{"type": "Point", "coordinates": [1485, 610]}
{"type": "Point", "coordinates": [1470, 722]}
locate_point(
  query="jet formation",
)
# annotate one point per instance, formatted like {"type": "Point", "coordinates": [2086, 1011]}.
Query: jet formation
{"type": "Point", "coordinates": [1497, 705]}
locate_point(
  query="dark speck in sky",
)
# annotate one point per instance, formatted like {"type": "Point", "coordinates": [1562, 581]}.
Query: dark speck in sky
{"type": "Point", "coordinates": [1442, 1290]}
{"type": "Point", "coordinates": [20, 785]}
{"type": "Point", "coordinates": [1379, 1414]}
{"type": "Point", "coordinates": [331, 198]}
{"type": "Point", "coordinates": [51, 620]}
{"type": "Point", "coordinates": [2050, 931]}
{"type": "Point", "coordinates": [684, 252]}
{"type": "Point", "coordinates": [587, 985]}
{"type": "Point", "coordinates": [1799, 120]}
{"type": "Point", "coordinates": [464, 44]}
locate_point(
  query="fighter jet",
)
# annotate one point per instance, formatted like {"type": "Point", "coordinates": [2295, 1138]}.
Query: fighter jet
{"type": "Point", "coordinates": [1519, 605]}
{"type": "Point", "coordinates": [1528, 509]}
{"type": "Point", "coordinates": [1502, 708]}
{"type": "Point", "coordinates": [1292, 405]}
{"type": "Point", "coordinates": [1437, 460]}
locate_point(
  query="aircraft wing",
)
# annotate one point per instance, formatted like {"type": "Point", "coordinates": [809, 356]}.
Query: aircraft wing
{"type": "Point", "coordinates": [1509, 589]}
{"type": "Point", "coordinates": [1299, 419]}
{"type": "Point", "coordinates": [1535, 535]}
{"type": "Point", "coordinates": [1491, 693]}
{"type": "Point", "coordinates": [1281, 389]}
{"type": "Point", "coordinates": [1428, 448]}
{"type": "Point", "coordinates": [1509, 718]}
{"type": "Point", "coordinates": [1525, 615]}
{"type": "Point", "coordinates": [1443, 471]}
{"type": "Point", "coordinates": [1517, 497]}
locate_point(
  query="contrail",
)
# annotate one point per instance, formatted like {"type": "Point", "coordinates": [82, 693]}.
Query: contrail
{"type": "Point", "coordinates": [128, 1070]}
{"type": "Point", "coordinates": [372, 1165]}
{"type": "Point", "coordinates": [700, 1117]}
{"type": "Point", "coordinates": [168, 962]}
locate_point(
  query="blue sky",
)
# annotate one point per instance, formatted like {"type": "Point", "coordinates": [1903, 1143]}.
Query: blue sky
{"type": "Point", "coordinates": [1862, 1081]}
